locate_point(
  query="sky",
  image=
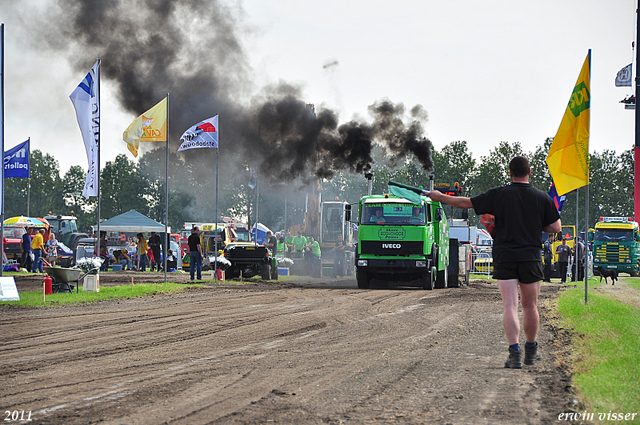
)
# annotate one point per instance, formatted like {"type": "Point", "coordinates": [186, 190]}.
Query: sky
{"type": "Point", "coordinates": [485, 72]}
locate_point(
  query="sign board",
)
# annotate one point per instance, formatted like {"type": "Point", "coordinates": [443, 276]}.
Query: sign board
{"type": "Point", "coordinates": [8, 290]}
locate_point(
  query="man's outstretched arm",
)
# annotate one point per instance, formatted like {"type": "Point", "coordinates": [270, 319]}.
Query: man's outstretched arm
{"type": "Point", "coordinates": [454, 201]}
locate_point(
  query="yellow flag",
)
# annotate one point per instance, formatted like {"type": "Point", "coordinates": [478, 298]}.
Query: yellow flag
{"type": "Point", "coordinates": [568, 157]}
{"type": "Point", "coordinates": [148, 127]}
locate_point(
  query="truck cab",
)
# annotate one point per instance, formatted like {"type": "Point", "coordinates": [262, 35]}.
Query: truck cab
{"type": "Point", "coordinates": [401, 241]}
{"type": "Point", "coordinates": [616, 245]}
{"type": "Point", "coordinates": [212, 232]}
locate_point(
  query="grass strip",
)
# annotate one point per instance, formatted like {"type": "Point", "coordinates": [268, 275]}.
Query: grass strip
{"type": "Point", "coordinates": [34, 298]}
{"type": "Point", "coordinates": [607, 348]}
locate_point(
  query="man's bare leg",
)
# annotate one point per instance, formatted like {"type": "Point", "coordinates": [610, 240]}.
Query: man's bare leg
{"type": "Point", "coordinates": [509, 292]}
{"type": "Point", "coordinates": [530, 317]}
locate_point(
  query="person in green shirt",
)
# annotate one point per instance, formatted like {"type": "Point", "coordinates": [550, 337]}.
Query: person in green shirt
{"type": "Point", "coordinates": [288, 240]}
{"type": "Point", "coordinates": [299, 242]}
{"type": "Point", "coordinates": [312, 254]}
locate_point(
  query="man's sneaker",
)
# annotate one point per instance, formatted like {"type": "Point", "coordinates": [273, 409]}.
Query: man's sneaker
{"type": "Point", "coordinates": [531, 355]}
{"type": "Point", "coordinates": [515, 359]}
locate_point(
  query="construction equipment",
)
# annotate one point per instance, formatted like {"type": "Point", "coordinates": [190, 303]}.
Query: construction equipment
{"type": "Point", "coordinates": [325, 221]}
{"type": "Point", "coordinates": [65, 228]}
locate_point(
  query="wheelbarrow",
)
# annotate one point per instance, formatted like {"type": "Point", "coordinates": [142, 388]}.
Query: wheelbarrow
{"type": "Point", "coordinates": [61, 277]}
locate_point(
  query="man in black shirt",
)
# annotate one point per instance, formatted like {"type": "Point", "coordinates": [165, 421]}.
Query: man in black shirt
{"type": "Point", "coordinates": [154, 244]}
{"type": "Point", "coordinates": [271, 243]}
{"type": "Point", "coordinates": [564, 254]}
{"type": "Point", "coordinates": [521, 214]}
{"type": "Point", "coordinates": [195, 252]}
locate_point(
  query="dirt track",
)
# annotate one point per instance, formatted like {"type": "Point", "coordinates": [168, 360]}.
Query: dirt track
{"type": "Point", "coordinates": [314, 351]}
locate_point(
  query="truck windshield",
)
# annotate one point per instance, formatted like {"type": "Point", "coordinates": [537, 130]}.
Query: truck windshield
{"type": "Point", "coordinates": [243, 234]}
{"type": "Point", "coordinates": [617, 235]}
{"type": "Point", "coordinates": [393, 214]}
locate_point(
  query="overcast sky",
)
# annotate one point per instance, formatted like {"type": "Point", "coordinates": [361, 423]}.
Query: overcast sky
{"type": "Point", "coordinates": [485, 72]}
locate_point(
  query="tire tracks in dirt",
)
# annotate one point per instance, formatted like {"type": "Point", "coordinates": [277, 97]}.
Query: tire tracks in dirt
{"type": "Point", "coordinates": [238, 354]}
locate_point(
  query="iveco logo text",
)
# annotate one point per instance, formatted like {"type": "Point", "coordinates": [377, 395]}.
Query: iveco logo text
{"type": "Point", "coordinates": [391, 245]}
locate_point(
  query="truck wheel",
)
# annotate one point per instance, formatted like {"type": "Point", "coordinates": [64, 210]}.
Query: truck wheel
{"type": "Point", "coordinates": [230, 273]}
{"type": "Point", "coordinates": [274, 273]}
{"type": "Point", "coordinates": [363, 279]}
{"type": "Point", "coordinates": [443, 278]}
{"type": "Point", "coordinates": [427, 281]}
{"type": "Point", "coordinates": [266, 271]}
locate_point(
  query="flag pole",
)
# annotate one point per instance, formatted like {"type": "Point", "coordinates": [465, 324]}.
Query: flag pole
{"type": "Point", "coordinates": [29, 180]}
{"type": "Point", "coordinates": [2, 148]}
{"type": "Point", "coordinates": [575, 239]}
{"type": "Point", "coordinates": [98, 164]}
{"type": "Point", "coordinates": [166, 211]}
{"type": "Point", "coordinates": [586, 204]}
{"type": "Point", "coordinates": [257, 205]}
{"type": "Point", "coordinates": [636, 149]}
{"type": "Point", "coordinates": [215, 261]}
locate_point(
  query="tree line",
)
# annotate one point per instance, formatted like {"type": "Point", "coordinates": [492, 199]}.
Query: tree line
{"type": "Point", "coordinates": [126, 184]}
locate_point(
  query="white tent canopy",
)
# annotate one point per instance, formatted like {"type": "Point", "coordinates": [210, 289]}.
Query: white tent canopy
{"type": "Point", "coordinates": [132, 221]}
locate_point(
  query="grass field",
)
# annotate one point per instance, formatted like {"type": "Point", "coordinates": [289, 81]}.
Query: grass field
{"type": "Point", "coordinates": [606, 352]}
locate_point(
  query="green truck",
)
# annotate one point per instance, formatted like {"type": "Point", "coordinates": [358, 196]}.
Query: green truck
{"type": "Point", "coordinates": [616, 245]}
{"type": "Point", "coordinates": [402, 241]}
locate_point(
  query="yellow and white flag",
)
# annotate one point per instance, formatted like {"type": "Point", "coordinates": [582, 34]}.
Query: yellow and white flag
{"type": "Point", "coordinates": [568, 157]}
{"type": "Point", "coordinates": [148, 127]}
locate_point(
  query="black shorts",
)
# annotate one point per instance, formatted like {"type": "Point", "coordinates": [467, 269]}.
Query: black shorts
{"type": "Point", "coordinates": [525, 271]}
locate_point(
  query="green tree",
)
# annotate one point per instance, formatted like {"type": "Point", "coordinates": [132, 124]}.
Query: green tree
{"type": "Point", "coordinates": [540, 177]}
{"type": "Point", "coordinates": [493, 170]}
{"type": "Point", "coordinates": [454, 163]}
{"type": "Point", "coordinates": [15, 197]}
{"type": "Point", "coordinates": [122, 188]}
{"type": "Point", "coordinates": [46, 185]}
{"type": "Point", "coordinates": [84, 209]}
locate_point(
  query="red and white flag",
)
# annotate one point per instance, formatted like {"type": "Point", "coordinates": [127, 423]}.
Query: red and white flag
{"type": "Point", "coordinates": [202, 135]}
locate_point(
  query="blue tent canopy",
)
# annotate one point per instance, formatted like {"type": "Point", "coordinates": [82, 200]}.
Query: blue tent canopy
{"type": "Point", "coordinates": [131, 221]}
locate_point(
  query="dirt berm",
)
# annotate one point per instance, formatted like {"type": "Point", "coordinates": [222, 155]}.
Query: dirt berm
{"type": "Point", "coordinates": [301, 351]}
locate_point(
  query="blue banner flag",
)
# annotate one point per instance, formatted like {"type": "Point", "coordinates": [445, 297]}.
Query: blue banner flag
{"type": "Point", "coordinates": [16, 161]}
{"type": "Point", "coordinates": [557, 200]}
{"type": "Point", "coordinates": [86, 101]}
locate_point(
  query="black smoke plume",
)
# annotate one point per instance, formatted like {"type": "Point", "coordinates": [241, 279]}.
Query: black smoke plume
{"type": "Point", "coordinates": [193, 50]}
